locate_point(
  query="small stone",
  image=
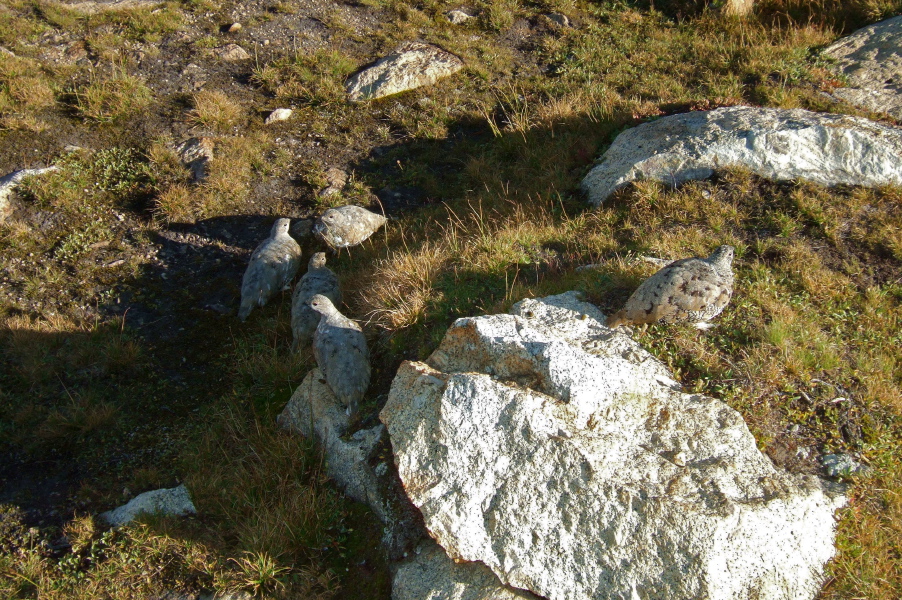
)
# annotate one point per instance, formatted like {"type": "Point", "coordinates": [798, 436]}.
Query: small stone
{"type": "Point", "coordinates": [280, 114]}
{"type": "Point", "coordinates": [195, 154]}
{"type": "Point", "coordinates": [234, 28]}
{"type": "Point", "coordinates": [841, 465]}
{"type": "Point", "coordinates": [458, 17]}
{"type": "Point", "coordinates": [174, 501]}
{"type": "Point", "coordinates": [337, 180]}
{"type": "Point", "coordinates": [232, 53]}
{"type": "Point", "coordinates": [559, 19]}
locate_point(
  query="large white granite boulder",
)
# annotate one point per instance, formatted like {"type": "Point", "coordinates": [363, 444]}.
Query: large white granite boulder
{"type": "Point", "coordinates": [871, 61]}
{"type": "Point", "coordinates": [559, 453]}
{"type": "Point", "coordinates": [776, 143]}
{"type": "Point", "coordinates": [428, 574]}
{"type": "Point", "coordinates": [410, 65]}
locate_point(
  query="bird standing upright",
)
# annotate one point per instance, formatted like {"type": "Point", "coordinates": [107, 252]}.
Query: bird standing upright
{"type": "Point", "coordinates": [341, 353]}
{"type": "Point", "coordinates": [691, 289]}
{"type": "Point", "coordinates": [347, 226]}
{"type": "Point", "coordinates": [273, 265]}
{"type": "Point", "coordinates": [319, 279]}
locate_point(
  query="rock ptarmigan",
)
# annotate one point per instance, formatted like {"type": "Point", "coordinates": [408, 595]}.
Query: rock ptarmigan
{"type": "Point", "coordinates": [273, 265]}
{"type": "Point", "coordinates": [319, 279]}
{"type": "Point", "coordinates": [691, 289]}
{"type": "Point", "coordinates": [341, 353]}
{"type": "Point", "coordinates": [347, 226]}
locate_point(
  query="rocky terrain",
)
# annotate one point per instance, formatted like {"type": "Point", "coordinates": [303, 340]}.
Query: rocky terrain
{"type": "Point", "coordinates": [536, 162]}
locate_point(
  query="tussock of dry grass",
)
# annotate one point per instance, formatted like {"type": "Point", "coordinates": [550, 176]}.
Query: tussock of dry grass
{"type": "Point", "coordinates": [113, 97]}
{"type": "Point", "coordinates": [214, 110]}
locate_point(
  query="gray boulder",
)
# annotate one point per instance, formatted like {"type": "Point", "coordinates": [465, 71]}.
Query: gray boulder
{"type": "Point", "coordinates": [173, 501]}
{"type": "Point", "coordinates": [779, 144]}
{"type": "Point", "coordinates": [410, 65]}
{"type": "Point", "coordinates": [871, 61]}
{"type": "Point", "coordinates": [559, 453]}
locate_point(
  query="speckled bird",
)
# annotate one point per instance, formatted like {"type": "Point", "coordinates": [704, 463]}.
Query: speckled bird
{"type": "Point", "coordinates": [319, 279]}
{"type": "Point", "coordinates": [273, 265]}
{"type": "Point", "coordinates": [347, 226]}
{"type": "Point", "coordinates": [341, 353]}
{"type": "Point", "coordinates": [689, 290]}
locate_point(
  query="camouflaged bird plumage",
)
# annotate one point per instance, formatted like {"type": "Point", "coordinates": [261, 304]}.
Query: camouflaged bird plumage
{"type": "Point", "coordinates": [347, 226]}
{"type": "Point", "coordinates": [341, 353]}
{"type": "Point", "coordinates": [319, 279]}
{"type": "Point", "coordinates": [688, 290]}
{"type": "Point", "coordinates": [273, 265]}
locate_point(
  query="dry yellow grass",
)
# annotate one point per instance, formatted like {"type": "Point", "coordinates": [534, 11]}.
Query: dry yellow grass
{"type": "Point", "coordinates": [214, 110]}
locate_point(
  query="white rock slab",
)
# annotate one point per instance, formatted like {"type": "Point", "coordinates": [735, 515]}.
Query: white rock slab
{"type": "Point", "coordinates": [9, 182]}
{"type": "Point", "coordinates": [871, 60]}
{"type": "Point", "coordinates": [430, 574]}
{"type": "Point", "coordinates": [410, 65]}
{"type": "Point", "coordinates": [529, 447]}
{"type": "Point", "coordinates": [314, 411]}
{"type": "Point", "coordinates": [173, 501]}
{"type": "Point", "coordinates": [776, 143]}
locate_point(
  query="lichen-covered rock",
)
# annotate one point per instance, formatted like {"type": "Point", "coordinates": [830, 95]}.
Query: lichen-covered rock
{"type": "Point", "coordinates": [559, 454]}
{"type": "Point", "coordinates": [173, 501]}
{"type": "Point", "coordinates": [776, 143]}
{"type": "Point", "coordinates": [871, 61]}
{"type": "Point", "coordinates": [411, 65]}
{"type": "Point", "coordinates": [429, 574]}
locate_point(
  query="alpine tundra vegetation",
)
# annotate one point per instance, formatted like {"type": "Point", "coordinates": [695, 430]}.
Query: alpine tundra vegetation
{"type": "Point", "coordinates": [552, 150]}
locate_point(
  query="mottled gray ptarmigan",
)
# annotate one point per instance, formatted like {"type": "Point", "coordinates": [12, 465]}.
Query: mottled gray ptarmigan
{"type": "Point", "coordinates": [319, 279]}
{"type": "Point", "coordinates": [347, 226]}
{"type": "Point", "coordinates": [341, 353]}
{"type": "Point", "coordinates": [691, 289]}
{"type": "Point", "coordinates": [273, 265]}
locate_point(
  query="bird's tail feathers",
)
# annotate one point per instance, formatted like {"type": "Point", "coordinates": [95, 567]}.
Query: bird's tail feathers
{"type": "Point", "coordinates": [616, 320]}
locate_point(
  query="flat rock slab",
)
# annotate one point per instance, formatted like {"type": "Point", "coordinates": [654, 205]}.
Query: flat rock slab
{"type": "Point", "coordinates": [173, 501]}
{"type": "Point", "coordinates": [775, 143]}
{"type": "Point", "coordinates": [550, 448]}
{"type": "Point", "coordinates": [411, 65]}
{"type": "Point", "coordinates": [871, 61]}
